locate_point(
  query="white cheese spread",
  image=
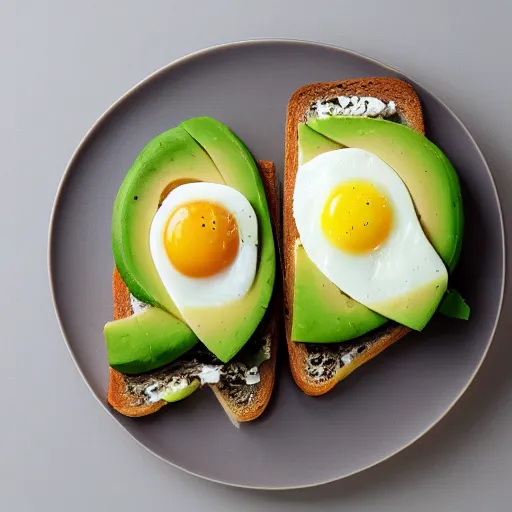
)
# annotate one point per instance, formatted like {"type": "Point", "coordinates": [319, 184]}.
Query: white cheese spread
{"type": "Point", "coordinates": [346, 359]}
{"type": "Point", "coordinates": [362, 106]}
{"type": "Point", "coordinates": [252, 376]}
{"type": "Point", "coordinates": [209, 374]}
{"type": "Point", "coordinates": [137, 305]}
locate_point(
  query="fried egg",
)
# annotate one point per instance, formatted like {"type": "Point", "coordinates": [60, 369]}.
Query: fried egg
{"type": "Point", "coordinates": [357, 223]}
{"type": "Point", "coordinates": [204, 244]}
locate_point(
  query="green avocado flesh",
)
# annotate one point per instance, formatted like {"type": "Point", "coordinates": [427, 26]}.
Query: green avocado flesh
{"type": "Point", "coordinates": [435, 190]}
{"type": "Point", "coordinates": [226, 329]}
{"type": "Point", "coordinates": [312, 144]}
{"type": "Point", "coordinates": [200, 149]}
{"type": "Point", "coordinates": [321, 312]}
{"type": "Point", "coordinates": [454, 306]}
{"type": "Point", "coordinates": [147, 340]}
{"type": "Point", "coordinates": [179, 394]}
{"type": "Point", "coordinates": [171, 156]}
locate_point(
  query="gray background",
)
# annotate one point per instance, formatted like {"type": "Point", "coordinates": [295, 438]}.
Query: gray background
{"type": "Point", "coordinates": [63, 64]}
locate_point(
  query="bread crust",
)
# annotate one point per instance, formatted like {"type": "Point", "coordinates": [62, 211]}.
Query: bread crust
{"type": "Point", "coordinates": [409, 108]}
{"type": "Point", "coordinates": [126, 403]}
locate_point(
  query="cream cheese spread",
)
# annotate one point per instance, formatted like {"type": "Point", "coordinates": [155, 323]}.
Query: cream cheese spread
{"type": "Point", "coordinates": [209, 374]}
{"type": "Point", "coordinates": [252, 376]}
{"type": "Point", "coordinates": [206, 373]}
{"type": "Point", "coordinates": [137, 305]}
{"type": "Point", "coordinates": [363, 106]}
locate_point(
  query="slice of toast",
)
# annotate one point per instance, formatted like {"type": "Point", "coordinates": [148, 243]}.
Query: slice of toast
{"type": "Point", "coordinates": [317, 368]}
{"type": "Point", "coordinates": [128, 403]}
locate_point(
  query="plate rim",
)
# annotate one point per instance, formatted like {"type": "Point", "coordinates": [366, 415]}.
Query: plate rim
{"type": "Point", "coordinates": [211, 50]}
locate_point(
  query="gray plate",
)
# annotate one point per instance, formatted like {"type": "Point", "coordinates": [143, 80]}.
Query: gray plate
{"type": "Point", "coordinates": [300, 441]}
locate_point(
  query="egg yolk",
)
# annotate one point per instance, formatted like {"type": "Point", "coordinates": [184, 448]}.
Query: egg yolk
{"type": "Point", "coordinates": [356, 217]}
{"type": "Point", "coordinates": [201, 239]}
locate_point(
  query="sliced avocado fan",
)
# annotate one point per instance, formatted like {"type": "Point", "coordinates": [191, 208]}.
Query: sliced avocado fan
{"type": "Point", "coordinates": [434, 187]}
{"type": "Point", "coordinates": [200, 149]}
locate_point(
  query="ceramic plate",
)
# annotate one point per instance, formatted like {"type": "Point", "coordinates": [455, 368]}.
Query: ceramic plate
{"type": "Point", "coordinates": [300, 441]}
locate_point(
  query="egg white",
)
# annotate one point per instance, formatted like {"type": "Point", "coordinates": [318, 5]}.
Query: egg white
{"type": "Point", "coordinates": [402, 265]}
{"type": "Point", "coordinates": [226, 286]}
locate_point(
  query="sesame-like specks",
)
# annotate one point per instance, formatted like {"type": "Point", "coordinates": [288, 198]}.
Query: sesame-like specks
{"type": "Point", "coordinates": [324, 360]}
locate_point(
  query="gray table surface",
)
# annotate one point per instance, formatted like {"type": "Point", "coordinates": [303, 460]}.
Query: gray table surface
{"type": "Point", "coordinates": [62, 64]}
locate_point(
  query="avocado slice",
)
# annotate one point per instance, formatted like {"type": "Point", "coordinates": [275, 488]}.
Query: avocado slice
{"type": "Point", "coordinates": [179, 393]}
{"type": "Point", "coordinates": [225, 329]}
{"type": "Point", "coordinates": [171, 157]}
{"type": "Point", "coordinates": [381, 138]}
{"type": "Point", "coordinates": [147, 340]}
{"type": "Point", "coordinates": [321, 312]}
{"type": "Point", "coordinates": [454, 306]}
{"type": "Point", "coordinates": [423, 167]}
{"type": "Point", "coordinates": [312, 144]}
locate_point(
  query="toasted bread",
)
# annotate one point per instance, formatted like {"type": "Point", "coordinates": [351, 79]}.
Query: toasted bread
{"type": "Point", "coordinates": [129, 404]}
{"type": "Point", "coordinates": [344, 357]}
